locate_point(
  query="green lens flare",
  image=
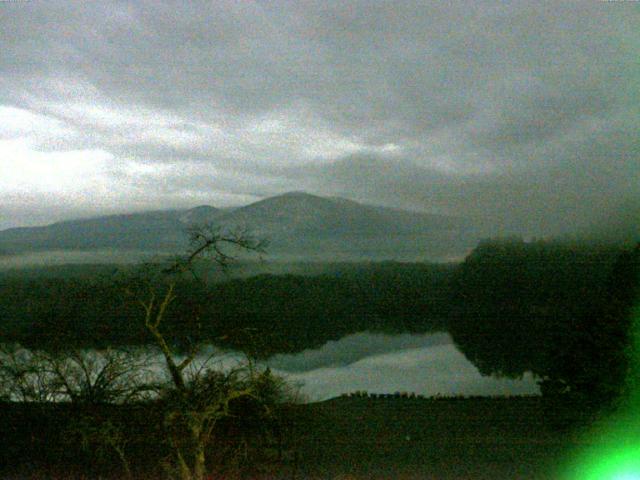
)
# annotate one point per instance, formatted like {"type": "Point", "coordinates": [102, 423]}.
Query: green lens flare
{"type": "Point", "coordinates": [627, 476]}
{"type": "Point", "coordinates": [609, 464]}
{"type": "Point", "coordinates": [614, 448]}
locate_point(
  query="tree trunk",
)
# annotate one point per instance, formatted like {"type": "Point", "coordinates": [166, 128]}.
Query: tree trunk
{"type": "Point", "coordinates": [199, 467]}
{"type": "Point", "coordinates": [185, 472]}
{"type": "Point", "coordinates": [199, 459]}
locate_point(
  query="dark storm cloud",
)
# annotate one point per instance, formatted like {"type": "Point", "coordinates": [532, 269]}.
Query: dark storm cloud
{"type": "Point", "coordinates": [527, 115]}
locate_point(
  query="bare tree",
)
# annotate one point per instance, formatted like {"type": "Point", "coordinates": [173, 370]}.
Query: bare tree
{"type": "Point", "coordinates": [100, 376]}
{"type": "Point", "coordinates": [22, 376]}
{"type": "Point", "coordinates": [196, 399]}
{"type": "Point", "coordinates": [159, 290]}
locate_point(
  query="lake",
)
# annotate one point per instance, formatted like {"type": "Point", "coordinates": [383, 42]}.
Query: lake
{"type": "Point", "coordinates": [426, 364]}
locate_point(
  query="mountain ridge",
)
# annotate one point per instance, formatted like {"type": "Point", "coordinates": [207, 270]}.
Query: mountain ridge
{"type": "Point", "coordinates": [295, 221]}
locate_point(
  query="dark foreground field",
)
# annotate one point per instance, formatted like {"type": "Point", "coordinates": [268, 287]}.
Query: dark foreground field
{"type": "Point", "coordinates": [523, 438]}
{"type": "Point", "coordinates": [362, 438]}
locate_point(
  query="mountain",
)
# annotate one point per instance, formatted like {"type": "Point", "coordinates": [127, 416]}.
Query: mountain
{"type": "Point", "coordinates": [301, 214]}
{"type": "Point", "coordinates": [149, 230]}
{"type": "Point", "coordinates": [297, 224]}
{"type": "Point", "coordinates": [199, 215]}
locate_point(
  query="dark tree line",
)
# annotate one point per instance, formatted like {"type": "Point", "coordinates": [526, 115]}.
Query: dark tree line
{"type": "Point", "coordinates": [558, 310]}
{"type": "Point", "coordinates": [283, 313]}
{"type": "Point", "coordinates": [592, 356]}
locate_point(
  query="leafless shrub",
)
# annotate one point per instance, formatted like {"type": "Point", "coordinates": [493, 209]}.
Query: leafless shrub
{"type": "Point", "coordinates": [96, 376]}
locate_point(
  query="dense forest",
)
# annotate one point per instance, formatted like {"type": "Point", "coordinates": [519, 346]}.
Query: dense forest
{"type": "Point", "coordinates": [556, 309]}
{"type": "Point", "coordinates": [559, 310]}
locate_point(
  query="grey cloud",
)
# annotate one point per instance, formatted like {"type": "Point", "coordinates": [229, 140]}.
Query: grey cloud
{"type": "Point", "coordinates": [526, 115]}
{"type": "Point", "coordinates": [538, 117]}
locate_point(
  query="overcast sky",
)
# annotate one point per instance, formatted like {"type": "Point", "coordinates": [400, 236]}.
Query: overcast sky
{"type": "Point", "coordinates": [527, 113]}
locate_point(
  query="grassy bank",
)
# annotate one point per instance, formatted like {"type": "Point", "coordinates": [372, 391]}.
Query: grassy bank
{"type": "Point", "coordinates": [477, 438]}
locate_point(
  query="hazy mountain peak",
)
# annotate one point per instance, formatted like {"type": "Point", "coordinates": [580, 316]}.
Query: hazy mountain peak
{"type": "Point", "coordinates": [202, 208]}
{"type": "Point", "coordinates": [296, 223]}
{"type": "Point", "coordinates": [295, 193]}
{"type": "Point", "coordinates": [199, 214]}
{"type": "Point", "coordinates": [302, 196]}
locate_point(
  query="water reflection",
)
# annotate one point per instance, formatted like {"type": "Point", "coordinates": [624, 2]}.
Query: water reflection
{"type": "Point", "coordinates": [424, 364]}
{"type": "Point", "coordinates": [428, 364]}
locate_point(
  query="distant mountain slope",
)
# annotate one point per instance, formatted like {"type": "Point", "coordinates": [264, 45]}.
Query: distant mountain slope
{"type": "Point", "coordinates": [296, 223]}
{"type": "Point", "coordinates": [302, 214]}
{"type": "Point", "coordinates": [199, 215]}
{"type": "Point", "coordinates": [148, 230]}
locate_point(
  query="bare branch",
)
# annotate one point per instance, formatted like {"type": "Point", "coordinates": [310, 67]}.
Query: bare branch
{"type": "Point", "coordinates": [207, 240]}
{"type": "Point", "coordinates": [168, 298]}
